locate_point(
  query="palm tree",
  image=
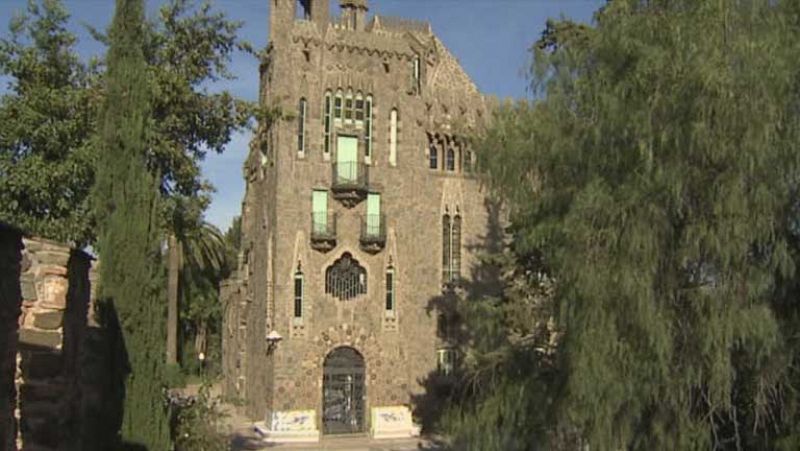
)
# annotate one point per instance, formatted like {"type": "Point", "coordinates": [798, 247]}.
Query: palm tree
{"type": "Point", "coordinates": [196, 261]}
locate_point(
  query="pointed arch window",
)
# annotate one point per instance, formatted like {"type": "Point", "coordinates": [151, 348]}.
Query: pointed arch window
{"type": "Point", "coordinates": [346, 278]}
{"type": "Point", "coordinates": [450, 159]}
{"type": "Point", "coordinates": [302, 108]}
{"type": "Point", "coordinates": [433, 156]}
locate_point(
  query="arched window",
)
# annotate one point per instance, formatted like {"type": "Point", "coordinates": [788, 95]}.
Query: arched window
{"type": "Point", "coordinates": [301, 125]}
{"type": "Point", "coordinates": [433, 156]}
{"type": "Point", "coordinates": [337, 105]}
{"type": "Point", "coordinates": [390, 292]}
{"type": "Point", "coordinates": [346, 278]}
{"type": "Point", "coordinates": [368, 127]}
{"type": "Point", "coordinates": [450, 160]}
{"type": "Point", "coordinates": [393, 137]}
{"type": "Point", "coordinates": [326, 122]}
{"type": "Point", "coordinates": [446, 248]}
{"type": "Point", "coordinates": [298, 294]}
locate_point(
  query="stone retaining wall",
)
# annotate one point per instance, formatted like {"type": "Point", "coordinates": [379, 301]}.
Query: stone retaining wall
{"type": "Point", "coordinates": [50, 361]}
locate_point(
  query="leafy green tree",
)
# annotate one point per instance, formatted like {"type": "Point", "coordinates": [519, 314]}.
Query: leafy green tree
{"type": "Point", "coordinates": [126, 206]}
{"type": "Point", "coordinates": [652, 183]}
{"type": "Point", "coordinates": [47, 119]}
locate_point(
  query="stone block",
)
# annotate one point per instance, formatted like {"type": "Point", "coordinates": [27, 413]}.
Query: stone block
{"type": "Point", "coordinates": [48, 320]}
{"type": "Point", "coordinates": [41, 365]}
{"type": "Point", "coordinates": [54, 292]}
{"type": "Point", "coordinates": [26, 282]}
{"type": "Point", "coordinates": [38, 392]}
{"type": "Point", "coordinates": [41, 338]}
{"type": "Point", "coordinates": [392, 422]}
{"type": "Point", "coordinates": [294, 426]}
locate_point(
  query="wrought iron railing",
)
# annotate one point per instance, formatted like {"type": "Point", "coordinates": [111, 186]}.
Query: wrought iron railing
{"type": "Point", "coordinates": [373, 228]}
{"type": "Point", "coordinates": [350, 175]}
{"type": "Point", "coordinates": [323, 225]}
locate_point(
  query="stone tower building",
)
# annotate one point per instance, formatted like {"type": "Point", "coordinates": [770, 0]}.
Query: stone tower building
{"type": "Point", "coordinates": [360, 213]}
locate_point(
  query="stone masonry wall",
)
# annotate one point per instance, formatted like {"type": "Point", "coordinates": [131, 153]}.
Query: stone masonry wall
{"type": "Point", "coordinates": [46, 304]}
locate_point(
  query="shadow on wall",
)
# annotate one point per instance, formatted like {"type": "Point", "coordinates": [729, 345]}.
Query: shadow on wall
{"type": "Point", "coordinates": [10, 302]}
{"type": "Point", "coordinates": [453, 336]}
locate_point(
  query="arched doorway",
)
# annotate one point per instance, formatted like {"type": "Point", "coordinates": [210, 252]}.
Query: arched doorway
{"type": "Point", "coordinates": [343, 392]}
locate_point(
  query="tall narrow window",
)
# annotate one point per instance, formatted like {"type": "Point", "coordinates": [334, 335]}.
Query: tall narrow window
{"type": "Point", "coordinates": [301, 125]}
{"type": "Point", "coordinates": [468, 161]}
{"type": "Point", "coordinates": [327, 123]}
{"type": "Point", "coordinates": [450, 160]}
{"type": "Point", "coordinates": [368, 127]}
{"type": "Point", "coordinates": [348, 106]}
{"type": "Point", "coordinates": [446, 248]}
{"type": "Point", "coordinates": [455, 261]}
{"type": "Point", "coordinates": [433, 156]}
{"type": "Point", "coordinates": [393, 137]}
{"type": "Point", "coordinates": [298, 294]}
{"type": "Point", "coordinates": [337, 105]}
{"type": "Point", "coordinates": [359, 108]}
{"type": "Point", "coordinates": [390, 289]}
{"type": "Point", "coordinates": [415, 75]}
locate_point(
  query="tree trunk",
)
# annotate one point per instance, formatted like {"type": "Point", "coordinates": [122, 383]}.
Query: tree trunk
{"type": "Point", "coordinates": [174, 263]}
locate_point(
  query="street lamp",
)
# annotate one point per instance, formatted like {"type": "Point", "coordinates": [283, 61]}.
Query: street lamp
{"type": "Point", "coordinates": [272, 340]}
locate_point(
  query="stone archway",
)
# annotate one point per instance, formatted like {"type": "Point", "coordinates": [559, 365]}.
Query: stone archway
{"type": "Point", "coordinates": [343, 392]}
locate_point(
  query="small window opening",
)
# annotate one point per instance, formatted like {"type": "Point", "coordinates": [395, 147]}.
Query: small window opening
{"type": "Point", "coordinates": [307, 55]}
{"type": "Point", "coordinates": [390, 289]}
{"type": "Point", "coordinates": [298, 294]}
{"type": "Point", "coordinates": [446, 360]}
{"type": "Point", "coordinates": [327, 123]}
{"type": "Point", "coordinates": [337, 106]}
{"type": "Point", "coordinates": [359, 108]}
{"type": "Point", "coordinates": [348, 107]}
{"type": "Point", "coordinates": [368, 127]}
{"type": "Point", "coordinates": [393, 137]}
{"type": "Point", "coordinates": [301, 125]}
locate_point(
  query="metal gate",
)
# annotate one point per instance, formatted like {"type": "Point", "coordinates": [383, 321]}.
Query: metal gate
{"type": "Point", "coordinates": [343, 392]}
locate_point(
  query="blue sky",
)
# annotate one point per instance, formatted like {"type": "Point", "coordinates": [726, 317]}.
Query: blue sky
{"type": "Point", "coordinates": [489, 37]}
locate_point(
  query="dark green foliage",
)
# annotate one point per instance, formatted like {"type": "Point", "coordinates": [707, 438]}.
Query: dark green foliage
{"type": "Point", "coordinates": [652, 184]}
{"type": "Point", "coordinates": [126, 206]}
{"type": "Point", "coordinates": [46, 120]}
{"type": "Point", "coordinates": [49, 116]}
{"type": "Point", "coordinates": [200, 425]}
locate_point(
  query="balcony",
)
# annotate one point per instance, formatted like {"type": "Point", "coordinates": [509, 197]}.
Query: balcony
{"type": "Point", "coordinates": [373, 233]}
{"type": "Point", "coordinates": [323, 231]}
{"type": "Point", "coordinates": [350, 182]}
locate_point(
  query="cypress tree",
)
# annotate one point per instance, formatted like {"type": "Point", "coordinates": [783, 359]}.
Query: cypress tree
{"type": "Point", "coordinates": [126, 203]}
